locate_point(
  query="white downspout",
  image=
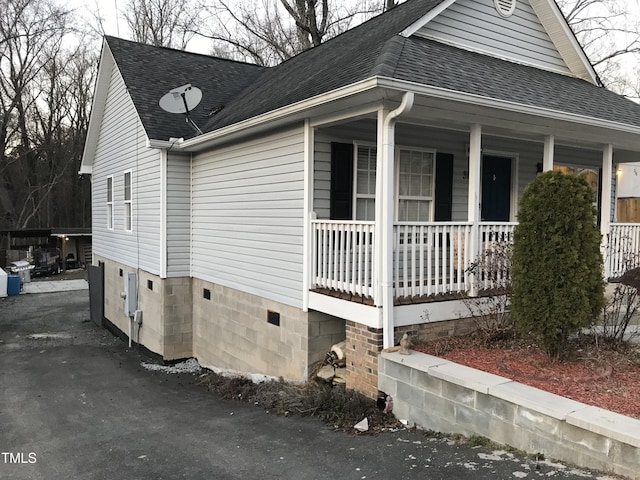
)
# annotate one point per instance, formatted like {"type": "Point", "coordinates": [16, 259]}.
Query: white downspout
{"type": "Point", "coordinates": [388, 214]}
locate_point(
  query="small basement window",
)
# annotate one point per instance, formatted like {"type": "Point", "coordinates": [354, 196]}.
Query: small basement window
{"type": "Point", "coordinates": [150, 284]}
{"type": "Point", "coordinates": [206, 294]}
{"type": "Point", "coordinates": [505, 7]}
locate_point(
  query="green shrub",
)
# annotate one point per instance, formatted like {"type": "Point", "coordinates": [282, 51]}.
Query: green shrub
{"type": "Point", "coordinates": [557, 263]}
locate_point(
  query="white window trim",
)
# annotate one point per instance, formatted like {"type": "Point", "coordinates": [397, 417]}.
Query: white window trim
{"type": "Point", "coordinates": [356, 195]}
{"type": "Point", "coordinates": [397, 199]}
{"type": "Point", "coordinates": [110, 220]}
{"type": "Point", "coordinates": [127, 204]}
{"type": "Point", "coordinates": [431, 199]}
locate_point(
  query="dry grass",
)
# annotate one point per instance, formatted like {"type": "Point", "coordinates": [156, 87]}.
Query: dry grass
{"type": "Point", "coordinates": [335, 405]}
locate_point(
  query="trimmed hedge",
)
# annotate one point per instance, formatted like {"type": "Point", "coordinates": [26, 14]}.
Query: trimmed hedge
{"type": "Point", "coordinates": [558, 286]}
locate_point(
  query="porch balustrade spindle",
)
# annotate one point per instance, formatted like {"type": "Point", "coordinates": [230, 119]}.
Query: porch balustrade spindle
{"type": "Point", "coordinates": [342, 256]}
{"type": "Point", "coordinates": [429, 258]}
{"type": "Point", "coordinates": [623, 249]}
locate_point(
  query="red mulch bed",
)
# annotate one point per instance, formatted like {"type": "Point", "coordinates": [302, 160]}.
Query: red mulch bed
{"type": "Point", "coordinates": [601, 375]}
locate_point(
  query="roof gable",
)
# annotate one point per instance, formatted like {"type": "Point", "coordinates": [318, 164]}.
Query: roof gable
{"type": "Point", "coordinates": [150, 72]}
{"type": "Point", "coordinates": [535, 34]}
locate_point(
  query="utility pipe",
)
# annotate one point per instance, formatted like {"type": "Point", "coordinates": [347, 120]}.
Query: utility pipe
{"type": "Point", "coordinates": [388, 214]}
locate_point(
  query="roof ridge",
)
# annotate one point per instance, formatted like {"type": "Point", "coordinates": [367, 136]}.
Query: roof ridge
{"type": "Point", "coordinates": [177, 50]}
{"type": "Point", "coordinates": [387, 61]}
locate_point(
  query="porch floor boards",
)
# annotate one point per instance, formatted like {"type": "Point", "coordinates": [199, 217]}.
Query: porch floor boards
{"type": "Point", "coordinates": [397, 301]}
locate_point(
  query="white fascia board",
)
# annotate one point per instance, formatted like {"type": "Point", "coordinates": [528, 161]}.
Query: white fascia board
{"type": "Point", "coordinates": [162, 144]}
{"type": "Point", "coordinates": [470, 98]}
{"type": "Point", "coordinates": [97, 109]}
{"type": "Point", "coordinates": [266, 120]}
{"type": "Point", "coordinates": [434, 12]}
{"type": "Point", "coordinates": [563, 37]}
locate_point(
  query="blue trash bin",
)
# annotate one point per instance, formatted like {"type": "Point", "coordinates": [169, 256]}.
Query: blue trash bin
{"type": "Point", "coordinates": [13, 285]}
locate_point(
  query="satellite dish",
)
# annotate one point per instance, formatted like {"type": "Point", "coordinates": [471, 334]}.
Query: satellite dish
{"type": "Point", "coordinates": [182, 100]}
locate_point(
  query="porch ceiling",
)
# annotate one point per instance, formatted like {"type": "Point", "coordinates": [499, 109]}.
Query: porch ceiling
{"type": "Point", "coordinates": [517, 123]}
{"type": "Point", "coordinates": [500, 120]}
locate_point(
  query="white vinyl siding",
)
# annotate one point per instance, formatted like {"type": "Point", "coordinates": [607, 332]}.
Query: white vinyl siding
{"type": "Point", "coordinates": [322, 176]}
{"type": "Point", "coordinates": [121, 147]}
{"type": "Point", "coordinates": [178, 215]}
{"type": "Point", "coordinates": [476, 25]}
{"type": "Point", "coordinates": [247, 216]}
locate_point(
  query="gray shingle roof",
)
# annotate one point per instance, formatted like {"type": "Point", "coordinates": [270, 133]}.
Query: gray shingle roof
{"type": "Point", "coordinates": [365, 51]}
{"type": "Point", "coordinates": [149, 72]}
{"type": "Point", "coordinates": [372, 49]}
{"type": "Point", "coordinates": [439, 65]}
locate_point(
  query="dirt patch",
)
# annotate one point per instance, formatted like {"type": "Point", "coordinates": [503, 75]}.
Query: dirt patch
{"type": "Point", "coordinates": [602, 375]}
{"type": "Point", "coordinates": [335, 405]}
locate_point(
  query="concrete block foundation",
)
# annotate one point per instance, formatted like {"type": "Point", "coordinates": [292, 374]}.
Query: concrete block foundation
{"type": "Point", "coordinates": [439, 395]}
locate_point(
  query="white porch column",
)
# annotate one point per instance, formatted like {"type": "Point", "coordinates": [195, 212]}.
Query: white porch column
{"type": "Point", "coordinates": [307, 240]}
{"type": "Point", "coordinates": [547, 156]}
{"type": "Point", "coordinates": [388, 213]}
{"type": "Point", "coordinates": [473, 214]}
{"type": "Point", "coordinates": [605, 201]}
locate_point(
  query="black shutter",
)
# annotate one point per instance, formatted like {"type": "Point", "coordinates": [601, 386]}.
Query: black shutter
{"type": "Point", "coordinates": [444, 187]}
{"type": "Point", "coordinates": [341, 196]}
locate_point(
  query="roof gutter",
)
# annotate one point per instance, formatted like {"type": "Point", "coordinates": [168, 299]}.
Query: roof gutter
{"type": "Point", "coordinates": [470, 98]}
{"type": "Point", "coordinates": [266, 120]}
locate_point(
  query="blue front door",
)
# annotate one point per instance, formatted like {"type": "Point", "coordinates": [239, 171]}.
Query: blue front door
{"type": "Point", "coordinates": [496, 189]}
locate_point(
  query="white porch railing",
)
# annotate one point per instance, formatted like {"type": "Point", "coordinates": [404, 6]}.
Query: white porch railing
{"type": "Point", "coordinates": [431, 258]}
{"type": "Point", "coordinates": [622, 249]}
{"type": "Point", "coordinates": [343, 256]}
{"type": "Point", "coordinates": [494, 255]}
{"type": "Point", "coordinates": [434, 258]}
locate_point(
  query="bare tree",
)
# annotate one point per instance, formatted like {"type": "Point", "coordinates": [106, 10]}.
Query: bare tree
{"type": "Point", "coordinates": [163, 23]}
{"type": "Point", "coordinates": [271, 31]}
{"type": "Point", "coordinates": [43, 110]}
{"type": "Point", "coordinates": [609, 32]}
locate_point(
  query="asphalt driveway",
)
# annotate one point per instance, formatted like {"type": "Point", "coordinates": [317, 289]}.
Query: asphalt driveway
{"type": "Point", "coordinates": [75, 403]}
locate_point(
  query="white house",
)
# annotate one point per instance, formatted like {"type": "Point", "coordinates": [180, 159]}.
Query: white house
{"type": "Point", "coordinates": [343, 192]}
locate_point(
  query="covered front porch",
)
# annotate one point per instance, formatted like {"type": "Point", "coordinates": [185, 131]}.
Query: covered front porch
{"type": "Point", "coordinates": [403, 197]}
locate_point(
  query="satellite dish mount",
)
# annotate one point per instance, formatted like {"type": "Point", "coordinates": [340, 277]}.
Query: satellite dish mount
{"type": "Point", "coordinates": [182, 100]}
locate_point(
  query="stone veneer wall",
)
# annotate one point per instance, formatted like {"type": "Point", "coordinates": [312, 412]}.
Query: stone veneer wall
{"type": "Point", "coordinates": [231, 331]}
{"type": "Point", "coordinates": [166, 310]}
{"type": "Point", "coordinates": [436, 394]}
